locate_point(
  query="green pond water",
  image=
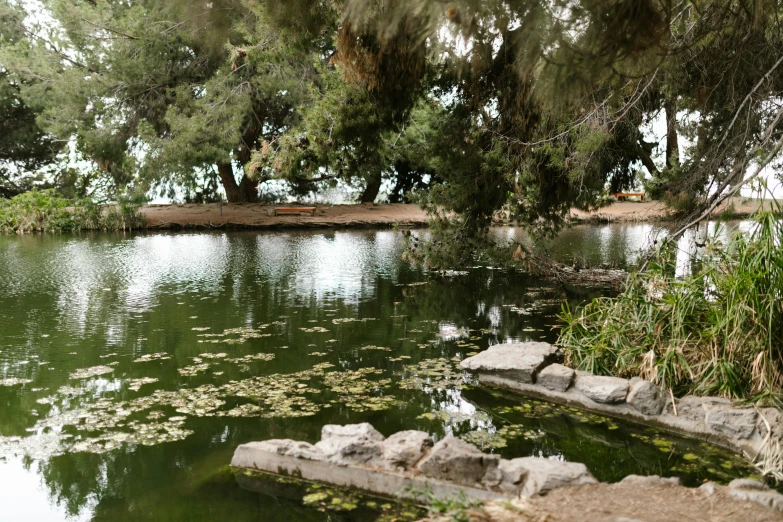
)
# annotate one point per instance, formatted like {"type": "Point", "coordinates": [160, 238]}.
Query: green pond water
{"type": "Point", "coordinates": [131, 366]}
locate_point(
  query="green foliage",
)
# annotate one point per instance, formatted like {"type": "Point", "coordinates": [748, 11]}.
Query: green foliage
{"type": "Point", "coordinates": [24, 146]}
{"type": "Point", "coordinates": [455, 507]}
{"type": "Point", "coordinates": [717, 331]}
{"type": "Point", "coordinates": [47, 211]}
{"type": "Point", "coordinates": [500, 104]}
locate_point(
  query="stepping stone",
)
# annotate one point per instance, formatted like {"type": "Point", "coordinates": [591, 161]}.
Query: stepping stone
{"type": "Point", "coordinates": [518, 361]}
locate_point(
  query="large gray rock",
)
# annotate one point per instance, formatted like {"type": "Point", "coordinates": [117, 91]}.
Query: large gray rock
{"type": "Point", "coordinates": [555, 377]}
{"type": "Point", "coordinates": [645, 397]}
{"type": "Point", "coordinates": [599, 388]}
{"type": "Point", "coordinates": [405, 448]}
{"type": "Point", "coordinates": [518, 361]}
{"type": "Point", "coordinates": [457, 461]}
{"type": "Point", "coordinates": [735, 422]}
{"type": "Point", "coordinates": [534, 475]}
{"type": "Point", "coordinates": [745, 489]}
{"type": "Point", "coordinates": [351, 444]}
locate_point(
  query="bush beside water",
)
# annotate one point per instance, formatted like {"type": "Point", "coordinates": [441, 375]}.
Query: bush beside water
{"type": "Point", "coordinates": [717, 331]}
{"type": "Point", "coordinates": [48, 211]}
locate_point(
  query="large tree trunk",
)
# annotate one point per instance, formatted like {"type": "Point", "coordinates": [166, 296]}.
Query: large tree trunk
{"type": "Point", "coordinates": [403, 183]}
{"type": "Point", "coordinates": [372, 189]}
{"type": "Point", "coordinates": [244, 192]}
{"type": "Point", "coordinates": [226, 173]}
{"type": "Point", "coordinates": [248, 189]}
{"type": "Point", "coordinates": [672, 147]}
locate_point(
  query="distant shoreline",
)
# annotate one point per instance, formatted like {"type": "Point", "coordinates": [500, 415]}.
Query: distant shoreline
{"type": "Point", "coordinates": [258, 216]}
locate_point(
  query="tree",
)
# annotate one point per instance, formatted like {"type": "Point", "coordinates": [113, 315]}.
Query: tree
{"type": "Point", "coordinates": [152, 91]}
{"type": "Point", "coordinates": [24, 146]}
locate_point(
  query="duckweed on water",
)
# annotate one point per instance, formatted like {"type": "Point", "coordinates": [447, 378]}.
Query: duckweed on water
{"type": "Point", "coordinates": [86, 373]}
{"type": "Point", "coordinates": [160, 356]}
{"type": "Point", "coordinates": [485, 440]}
{"type": "Point", "coordinates": [136, 384]}
{"type": "Point", "coordinates": [107, 423]}
{"type": "Point", "coordinates": [252, 357]}
{"type": "Point", "coordinates": [13, 381]}
{"type": "Point", "coordinates": [439, 373]}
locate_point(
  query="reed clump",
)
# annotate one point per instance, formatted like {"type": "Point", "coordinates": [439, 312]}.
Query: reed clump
{"type": "Point", "coordinates": [716, 331]}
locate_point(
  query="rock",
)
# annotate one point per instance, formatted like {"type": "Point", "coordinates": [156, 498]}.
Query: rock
{"type": "Point", "coordinates": [457, 461]}
{"type": "Point", "coordinates": [602, 389]}
{"type": "Point", "coordinates": [650, 480]}
{"type": "Point", "coordinates": [645, 397]}
{"type": "Point", "coordinates": [708, 489]}
{"type": "Point", "coordinates": [535, 475]}
{"type": "Point", "coordinates": [518, 361]}
{"type": "Point", "coordinates": [291, 448]}
{"type": "Point", "coordinates": [736, 422]}
{"type": "Point", "coordinates": [513, 474]}
{"type": "Point", "coordinates": [746, 489]}
{"type": "Point", "coordinates": [556, 377]}
{"type": "Point", "coordinates": [773, 417]}
{"type": "Point", "coordinates": [747, 484]}
{"type": "Point", "coordinates": [351, 444]}
{"type": "Point", "coordinates": [404, 449]}
{"type": "Point", "coordinates": [689, 407]}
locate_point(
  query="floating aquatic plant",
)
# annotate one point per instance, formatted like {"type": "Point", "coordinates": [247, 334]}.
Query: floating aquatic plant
{"type": "Point", "coordinates": [86, 373]}
{"type": "Point", "coordinates": [13, 381]}
{"type": "Point", "coordinates": [433, 373]}
{"type": "Point", "coordinates": [160, 356]}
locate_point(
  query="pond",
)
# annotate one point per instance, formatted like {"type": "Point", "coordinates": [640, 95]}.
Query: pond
{"type": "Point", "coordinates": [131, 366]}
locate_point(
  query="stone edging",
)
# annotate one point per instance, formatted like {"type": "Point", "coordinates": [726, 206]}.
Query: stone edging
{"type": "Point", "coordinates": [408, 465]}
{"type": "Point", "coordinates": [532, 368]}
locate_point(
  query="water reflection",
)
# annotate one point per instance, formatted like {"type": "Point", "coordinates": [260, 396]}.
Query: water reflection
{"type": "Point", "coordinates": [205, 341]}
{"type": "Point", "coordinates": [622, 244]}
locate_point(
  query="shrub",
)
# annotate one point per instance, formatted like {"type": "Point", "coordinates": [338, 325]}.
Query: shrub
{"type": "Point", "coordinates": [48, 211]}
{"type": "Point", "coordinates": [718, 330]}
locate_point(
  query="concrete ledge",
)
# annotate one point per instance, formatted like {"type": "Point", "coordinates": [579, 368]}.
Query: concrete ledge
{"type": "Point", "coordinates": [757, 434]}
{"type": "Point", "coordinates": [407, 465]}
{"type": "Point", "coordinates": [668, 422]}
{"type": "Point", "coordinates": [380, 482]}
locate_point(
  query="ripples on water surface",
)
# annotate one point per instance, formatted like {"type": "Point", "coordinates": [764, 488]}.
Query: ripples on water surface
{"type": "Point", "coordinates": [132, 366]}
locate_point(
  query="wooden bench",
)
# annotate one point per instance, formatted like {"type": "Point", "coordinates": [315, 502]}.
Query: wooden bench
{"type": "Point", "coordinates": [619, 195]}
{"type": "Point", "coordinates": [294, 211]}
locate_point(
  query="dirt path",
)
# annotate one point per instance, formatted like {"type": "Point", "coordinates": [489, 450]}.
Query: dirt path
{"type": "Point", "coordinates": [624, 502]}
{"type": "Point", "coordinates": [638, 211]}
{"type": "Point", "coordinates": [248, 215]}
{"type": "Point", "coordinates": [214, 215]}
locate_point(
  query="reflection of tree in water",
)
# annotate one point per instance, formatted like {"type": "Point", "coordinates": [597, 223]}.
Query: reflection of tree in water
{"type": "Point", "coordinates": [181, 480]}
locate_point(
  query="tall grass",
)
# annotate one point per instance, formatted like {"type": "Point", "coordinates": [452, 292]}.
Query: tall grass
{"type": "Point", "coordinates": [47, 211]}
{"type": "Point", "coordinates": [716, 331]}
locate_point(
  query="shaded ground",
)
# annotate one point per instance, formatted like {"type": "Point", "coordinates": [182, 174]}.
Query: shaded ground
{"type": "Point", "coordinates": [214, 215]}
{"type": "Point", "coordinates": [631, 211]}
{"type": "Point", "coordinates": [624, 502]}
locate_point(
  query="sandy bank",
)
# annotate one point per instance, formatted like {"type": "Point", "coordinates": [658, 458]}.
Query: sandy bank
{"type": "Point", "coordinates": [249, 215]}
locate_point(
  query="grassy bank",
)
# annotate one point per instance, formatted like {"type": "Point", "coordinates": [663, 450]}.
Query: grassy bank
{"type": "Point", "coordinates": [717, 331]}
{"type": "Point", "coordinates": [47, 211]}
